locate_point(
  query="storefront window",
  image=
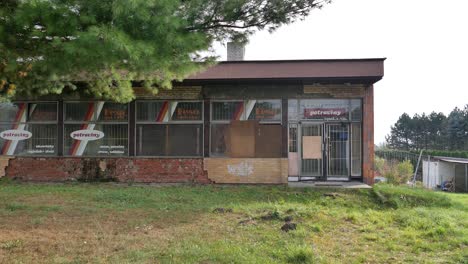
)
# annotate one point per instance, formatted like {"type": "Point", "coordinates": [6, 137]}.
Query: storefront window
{"type": "Point", "coordinates": [356, 110]}
{"type": "Point", "coordinates": [266, 110]}
{"type": "Point", "coordinates": [292, 109]}
{"type": "Point", "coordinates": [250, 128]}
{"type": "Point", "coordinates": [227, 111]}
{"type": "Point", "coordinates": [169, 128]}
{"type": "Point", "coordinates": [28, 128]}
{"type": "Point", "coordinates": [95, 129]}
{"type": "Point", "coordinates": [325, 109]}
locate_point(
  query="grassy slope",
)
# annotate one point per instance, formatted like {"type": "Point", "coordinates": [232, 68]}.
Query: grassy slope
{"type": "Point", "coordinates": [105, 223]}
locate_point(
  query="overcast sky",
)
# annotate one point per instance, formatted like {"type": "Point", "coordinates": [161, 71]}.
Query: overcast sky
{"type": "Point", "coordinates": [425, 43]}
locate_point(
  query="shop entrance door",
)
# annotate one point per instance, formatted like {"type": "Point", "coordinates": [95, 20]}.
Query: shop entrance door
{"type": "Point", "coordinates": [323, 151]}
{"type": "Point", "coordinates": [311, 151]}
{"type": "Point", "coordinates": [337, 151]}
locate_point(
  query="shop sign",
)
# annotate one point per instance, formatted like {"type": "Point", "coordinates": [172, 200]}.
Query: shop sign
{"type": "Point", "coordinates": [115, 114]}
{"type": "Point", "coordinates": [265, 113]}
{"type": "Point", "coordinates": [187, 114]}
{"type": "Point", "coordinates": [15, 134]}
{"type": "Point", "coordinates": [326, 113]}
{"type": "Point", "coordinates": [86, 134]}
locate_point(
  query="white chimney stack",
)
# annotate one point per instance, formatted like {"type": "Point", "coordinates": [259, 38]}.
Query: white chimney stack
{"type": "Point", "coordinates": [235, 51]}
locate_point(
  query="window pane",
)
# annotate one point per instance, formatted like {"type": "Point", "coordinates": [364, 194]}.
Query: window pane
{"type": "Point", "coordinates": [218, 139]}
{"type": "Point", "coordinates": [42, 112]}
{"type": "Point", "coordinates": [114, 140]}
{"type": "Point", "coordinates": [227, 110]}
{"type": "Point", "coordinates": [11, 112]}
{"type": "Point", "coordinates": [187, 111]}
{"type": "Point", "coordinates": [149, 111]}
{"type": "Point", "coordinates": [169, 140]}
{"type": "Point", "coordinates": [292, 109]}
{"type": "Point", "coordinates": [356, 110]}
{"type": "Point", "coordinates": [42, 139]}
{"type": "Point", "coordinates": [266, 110]}
{"type": "Point", "coordinates": [151, 140]}
{"type": "Point", "coordinates": [356, 149]}
{"type": "Point", "coordinates": [82, 111]}
{"type": "Point", "coordinates": [113, 112]}
{"type": "Point", "coordinates": [185, 140]}
{"type": "Point", "coordinates": [325, 109]}
{"type": "Point", "coordinates": [293, 138]}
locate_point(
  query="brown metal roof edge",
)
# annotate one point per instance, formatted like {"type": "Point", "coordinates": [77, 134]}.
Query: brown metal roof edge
{"type": "Point", "coordinates": [301, 60]}
{"type": "Point", "coordinates": [302, 80]}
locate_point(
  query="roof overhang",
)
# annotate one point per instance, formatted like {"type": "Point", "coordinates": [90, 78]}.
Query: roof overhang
{"type": "Point", "coordinates": [338, 70]}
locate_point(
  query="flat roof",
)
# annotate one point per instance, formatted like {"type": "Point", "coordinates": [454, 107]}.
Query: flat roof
{"type": "Point", "coordinates": [452, 160]}
{"type": "Point", "coordinates": [370, 69]}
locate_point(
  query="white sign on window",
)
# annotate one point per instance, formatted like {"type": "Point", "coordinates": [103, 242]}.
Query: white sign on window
{"type": "Point", "coordinates": [86, 134]}
{"type": "Point", "coordinates": [15, 134]}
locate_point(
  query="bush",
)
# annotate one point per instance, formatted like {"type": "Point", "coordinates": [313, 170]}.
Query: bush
{"type": "Point", "coordinates": [395, 172]}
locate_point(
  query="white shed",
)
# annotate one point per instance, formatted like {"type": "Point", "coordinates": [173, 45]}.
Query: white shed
{"type": "Point", "coordinates": [440, 169]}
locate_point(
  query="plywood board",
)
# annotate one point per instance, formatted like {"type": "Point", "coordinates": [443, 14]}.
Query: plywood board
{"type": "Point", "coordinates": [242, 139]}
{"type": "Point", "coordinates": [268, 141]}
{"type": "Point", "coordinates": [312, 147]}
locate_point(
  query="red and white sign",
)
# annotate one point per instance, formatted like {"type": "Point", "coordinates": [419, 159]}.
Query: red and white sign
{"type": "Point", "coordinates": [15, 134]}
{"type": "Point", "coordinates": [325, 113]}
{"type": "Point", "coordinates": [86, 134]}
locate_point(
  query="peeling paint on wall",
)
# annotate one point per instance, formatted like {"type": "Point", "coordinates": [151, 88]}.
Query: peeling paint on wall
{"type": "Point", "coordinates": [241, 169]}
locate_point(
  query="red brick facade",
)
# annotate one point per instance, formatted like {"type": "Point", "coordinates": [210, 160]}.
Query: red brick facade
{"type": "Point", "coordinates": [368, 136]}
{"type": "Point", "coordinates": [143, 170]}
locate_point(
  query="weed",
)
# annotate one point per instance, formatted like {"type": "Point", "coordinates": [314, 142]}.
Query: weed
{"type": "Point", "coordinates": [11, 244]}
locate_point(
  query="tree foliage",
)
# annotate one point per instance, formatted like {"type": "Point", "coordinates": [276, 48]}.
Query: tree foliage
{"type": "Point", "coordinates": [97, 47]}
{"type": "Point", "coordinates": [431, 132]}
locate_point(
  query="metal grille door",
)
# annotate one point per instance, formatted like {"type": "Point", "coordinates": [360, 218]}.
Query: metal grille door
{"type": "Point", "coordinates": [338, 150]}
{"type": "Point", "coordinates": [311, 150]}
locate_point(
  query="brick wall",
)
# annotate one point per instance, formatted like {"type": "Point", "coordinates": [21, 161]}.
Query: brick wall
{"type": "Point", "coordinates": [247, 170]}
{"type": "Point", "coordinates": [336, 91]}
{"type": "Point", "coordinates": [145, 170]}
{"type": "Point", "coordinates": [176, 93]}
{"type": "Point", "coordinates": [368, 136]}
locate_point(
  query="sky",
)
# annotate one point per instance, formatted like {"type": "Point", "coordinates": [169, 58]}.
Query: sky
{"type": "Point", "coordinates": [425, 43]}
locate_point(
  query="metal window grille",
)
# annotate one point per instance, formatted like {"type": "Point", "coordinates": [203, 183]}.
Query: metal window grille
{"type": "Point", "coordinates": [169, 128]}
{"type": "Point", "coordinates": [109, 118]}
{"type": "Point", "coordinates": [37, 118]}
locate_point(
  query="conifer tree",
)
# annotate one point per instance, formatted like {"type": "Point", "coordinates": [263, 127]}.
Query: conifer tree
{"type": "Point", "coordinates": [98, 47]}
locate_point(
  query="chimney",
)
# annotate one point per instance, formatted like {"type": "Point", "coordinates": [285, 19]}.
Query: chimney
{"type": "Point", "coordinates": [235, 51]}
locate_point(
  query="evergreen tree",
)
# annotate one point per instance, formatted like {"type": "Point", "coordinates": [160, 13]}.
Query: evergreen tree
{"type": "Point", "coordinates": [401, 135]}
{"type": "Point", "coordinates": [437, 133]}
{"type": "Point", "coordinates": [97, 47]}
{"type": "Point", "coordinates": [456, 129]}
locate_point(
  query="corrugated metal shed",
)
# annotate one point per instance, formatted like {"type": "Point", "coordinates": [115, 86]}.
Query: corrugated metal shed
{"type": "Point", "coordinates": [442, 169]}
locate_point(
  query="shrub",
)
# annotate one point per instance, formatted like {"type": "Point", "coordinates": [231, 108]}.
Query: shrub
{"type": "Point", "coordinates": [395, 172]}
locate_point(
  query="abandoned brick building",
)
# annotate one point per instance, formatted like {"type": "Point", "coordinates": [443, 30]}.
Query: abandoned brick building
{"type": "Point", "coordinates": [237, 122]}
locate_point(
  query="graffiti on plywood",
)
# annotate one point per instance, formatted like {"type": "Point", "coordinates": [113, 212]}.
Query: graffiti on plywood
{"type": "Point", "coordinates": [241, 169]}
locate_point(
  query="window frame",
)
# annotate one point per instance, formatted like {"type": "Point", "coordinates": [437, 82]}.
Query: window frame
{"type": "Point", "coordinates": [73, 122]}
{"type": "Point", "coordinates": [221, 122]}
{"type": "Point", "coordinates": [170, 122]}
{"type": "Point", "coordinates": [47, 122]}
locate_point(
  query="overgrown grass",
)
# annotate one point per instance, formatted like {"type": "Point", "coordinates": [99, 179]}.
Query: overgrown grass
{"type": "Point", "coordinates": [106, 223]}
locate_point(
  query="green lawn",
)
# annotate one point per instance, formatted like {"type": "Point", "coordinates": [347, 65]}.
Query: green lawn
{"type": "Point", "coordinates": [104, 223]}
